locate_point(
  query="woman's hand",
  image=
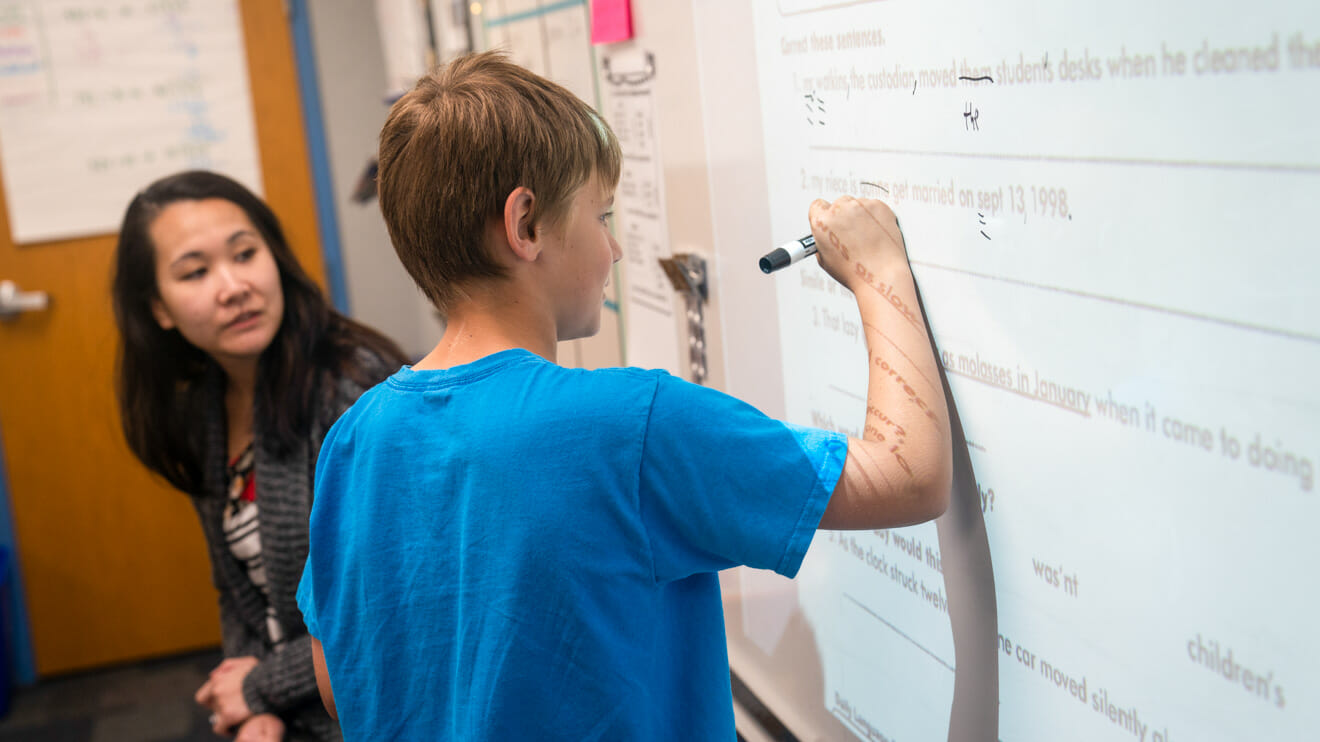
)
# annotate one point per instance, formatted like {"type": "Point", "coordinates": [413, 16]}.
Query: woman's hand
{"type": "Point", "coordinates": [261, 728]}
{"type": "Point", "coordinates": [223, 694]}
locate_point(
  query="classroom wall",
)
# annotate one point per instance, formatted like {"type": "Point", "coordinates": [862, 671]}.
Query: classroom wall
{"type": "Point", "coordinates": [351, 77]}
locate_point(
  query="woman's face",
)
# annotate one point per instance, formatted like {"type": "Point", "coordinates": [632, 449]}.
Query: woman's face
{"type": "Point", "coordinates": [218, 282]}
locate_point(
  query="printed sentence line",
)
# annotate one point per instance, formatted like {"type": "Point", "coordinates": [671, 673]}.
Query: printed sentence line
{"type": "Point", "coordinates": [896, 630]}
{"type": "Point", "coordinates": [638, 302]}
{"type": "Point", "coordinates": [659, 297]}
{"type": "Point", "coordinates": [863, 731]}
{"type": "Point", "coordinates": [1235, 324]}
{"type": "Point", "coordinates": [1018, 392]}
{"type": "Point", "coordinates": [1268, 167]}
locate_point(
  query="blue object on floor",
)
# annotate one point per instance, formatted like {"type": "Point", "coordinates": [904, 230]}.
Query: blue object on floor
{"type": "Point", "coordinates": [4, 631]}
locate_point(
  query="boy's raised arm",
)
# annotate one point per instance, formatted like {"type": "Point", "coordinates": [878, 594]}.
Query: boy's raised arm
{"type": "Point", "coordinates": [899, 472]}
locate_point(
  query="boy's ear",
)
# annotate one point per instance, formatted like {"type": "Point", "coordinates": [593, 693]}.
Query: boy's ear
{"type": "Point", "coordinates": [518, 227]}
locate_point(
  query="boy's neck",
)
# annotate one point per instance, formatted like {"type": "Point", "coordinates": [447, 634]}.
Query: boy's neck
{"type": "Point", "coordinates": [479, 327]}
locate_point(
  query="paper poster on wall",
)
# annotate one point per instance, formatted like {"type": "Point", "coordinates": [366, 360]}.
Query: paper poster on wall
{"type": "Point", "coordinates": [551, 40]}
{"type": "Point", "coordinates": [450, 20]}
{"type": "Point", "coordinates": [100, 97]}
{"type": "Point", "coordinates": [628, 103]}
{"type": "Point", "coordinates": [406, 43]}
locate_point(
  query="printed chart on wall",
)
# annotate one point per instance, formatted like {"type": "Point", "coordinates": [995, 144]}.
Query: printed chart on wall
{"type": "Point", "coordinates": [628, 102]}
{"type": "Point", "coordinates": [1110, 215]}
{"type": "Point", "coordinates": [550, 39]}
{"type": "Point", "coordinates": [98, 97]}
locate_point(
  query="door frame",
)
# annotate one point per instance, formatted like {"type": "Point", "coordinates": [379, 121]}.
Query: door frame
{"type": "Point", "coordinates": [318, 152]}
{"type": "Point", "coordinates": [15, 628]}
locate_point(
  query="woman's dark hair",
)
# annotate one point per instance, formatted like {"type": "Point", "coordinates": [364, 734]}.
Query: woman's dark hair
{"type": "Point", "coordinates": [160, 375]}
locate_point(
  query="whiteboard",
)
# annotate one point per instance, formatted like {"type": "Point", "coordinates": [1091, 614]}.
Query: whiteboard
{"type": "Point", "coordinates": [1108, 213]}
{"type": "Point", "coordinates": [100, 97]}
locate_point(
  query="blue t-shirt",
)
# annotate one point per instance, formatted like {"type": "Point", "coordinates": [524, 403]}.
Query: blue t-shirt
{"type": "Point", "coordinates": [515, 550]}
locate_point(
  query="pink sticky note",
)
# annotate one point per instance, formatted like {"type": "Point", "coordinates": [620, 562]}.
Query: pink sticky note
{"type": "Point", "coordinates": [611, 20]}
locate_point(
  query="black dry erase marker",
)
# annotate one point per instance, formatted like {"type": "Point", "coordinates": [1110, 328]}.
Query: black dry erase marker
{"type": "Point", "coordinates": [788, 254]}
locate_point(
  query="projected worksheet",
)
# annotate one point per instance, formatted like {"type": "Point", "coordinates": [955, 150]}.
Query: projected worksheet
{"type": "Point", "coordinates": [1111, 225]}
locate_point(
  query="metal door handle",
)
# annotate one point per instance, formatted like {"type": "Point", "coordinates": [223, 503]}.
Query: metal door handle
{"type": "Point", "coordinates": [14, 302]}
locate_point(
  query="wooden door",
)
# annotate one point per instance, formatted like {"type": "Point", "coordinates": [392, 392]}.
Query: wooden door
{"type": "Point", "coordinates": [112, 559]}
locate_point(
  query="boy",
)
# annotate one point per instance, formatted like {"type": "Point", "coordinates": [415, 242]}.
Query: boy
{"type": "Point", "coordinates": [502, 548]}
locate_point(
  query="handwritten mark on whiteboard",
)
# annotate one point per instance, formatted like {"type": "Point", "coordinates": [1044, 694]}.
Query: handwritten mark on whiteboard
{"type": "Point", "coordinates": [815, 108]}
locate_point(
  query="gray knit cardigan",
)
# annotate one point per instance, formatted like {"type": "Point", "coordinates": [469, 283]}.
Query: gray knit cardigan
{"type": "Point", "coordinates": [283, 683]}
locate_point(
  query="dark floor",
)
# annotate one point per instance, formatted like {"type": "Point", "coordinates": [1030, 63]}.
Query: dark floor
{"type": "Point", "coordinates": [144, 702]}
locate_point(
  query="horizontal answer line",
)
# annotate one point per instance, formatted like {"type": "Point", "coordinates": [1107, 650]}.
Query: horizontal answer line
{"type": "Point", "coordinates": [1018, 392]}
{"type": "Point", "coordinates": [827, 6]}
{"type": "Point", "coordinates": [847, 393]}
{"type": "Point", "coordinates": [1268, 167]}
{"type": "Point", "coordinates": [896, 630]}
{"type": "Point", "coordinates": [1236, 324]}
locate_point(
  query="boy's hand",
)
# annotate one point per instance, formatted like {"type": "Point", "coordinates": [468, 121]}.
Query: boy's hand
{"type": "Point", "coordinates": [898, 472]}
{"type": "Point", "coordinates": [854, 237]}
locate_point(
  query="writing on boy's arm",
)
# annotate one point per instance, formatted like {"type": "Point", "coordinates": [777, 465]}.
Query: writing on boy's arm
{"type": "Point", "coordinates": [899, 472]}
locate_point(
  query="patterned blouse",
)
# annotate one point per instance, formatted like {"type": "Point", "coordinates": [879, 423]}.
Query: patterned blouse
{"type": "Point", "coordinates": [241, 523]}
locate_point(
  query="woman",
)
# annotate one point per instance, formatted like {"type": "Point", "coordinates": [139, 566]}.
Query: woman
{"type": "Point", "coordinates": [231, 370]}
